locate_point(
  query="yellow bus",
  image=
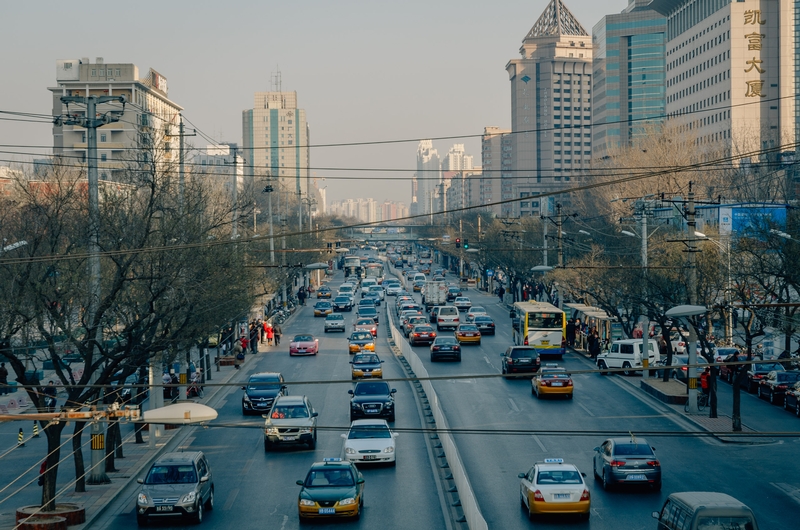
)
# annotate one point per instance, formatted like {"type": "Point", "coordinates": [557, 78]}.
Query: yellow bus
{"type": "Point", "coordinates": [541, 325]}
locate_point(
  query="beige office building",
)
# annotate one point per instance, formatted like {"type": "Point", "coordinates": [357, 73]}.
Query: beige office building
{"type": "Point", "coordinates": [496, 180]}
{"type": "Point", "coordinates": [148, 127]}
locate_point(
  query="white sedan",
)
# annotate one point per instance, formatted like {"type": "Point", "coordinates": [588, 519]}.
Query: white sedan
{"type": "Point", "coordinates": [369, 441]}
{"type": "Point", "coordinates": [462, 303]}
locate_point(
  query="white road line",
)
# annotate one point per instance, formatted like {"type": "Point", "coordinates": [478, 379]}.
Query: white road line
{"type": "Point", "coordinates": [589, 412]}
{"type": "Point", "coordinates": [514, 406]}
{"type": "Point", "coordinates": [791, 491]}
{"type": "Point", "coordinates": [538, 441]}
{"type": "Point", "coordinates": [231, 499]}
{"type": "Point", "coordinates": [485, 358]}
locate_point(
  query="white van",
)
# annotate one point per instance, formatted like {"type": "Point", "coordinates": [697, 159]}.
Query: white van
{"type": "Point", "coordinates": [704, 510]}
{"type": "Point", "coordinates": [627, 353]}
{"type": "Point", "coordinates": [446, 317]}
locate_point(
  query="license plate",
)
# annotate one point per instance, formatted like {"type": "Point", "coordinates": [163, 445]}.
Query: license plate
{"type": "Point", "coordinates": [545, 342]}
{"type": "Point", "coordinates": [637, 477]}
{"type": "Point", "coordinates": [561, 496]}
{"type": "Point", "coordinates": [289, 438]}
{"type": "Point", "coordinates": [370, 457]}
{"type": "Point", "coordinates": [366, 374]}
{"type": "Point", "coordinates": [163, 508]}
{"type": "Point", "coordinates": [558, 384]}
{"type": "Point", "coordinates": [327, 511]}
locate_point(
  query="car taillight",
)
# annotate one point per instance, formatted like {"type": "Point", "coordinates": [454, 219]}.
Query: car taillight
{"type": "Point", "coordinates": [782, 387]}
{"type": "Point", "coordinates": [416, 334]}
{"type": "Point", "coordinates": [654, 463]}
{"type": "Point", "coordinates": [432, 334]}
{"type": "Point", "coordinates": [435, 348]}
{"type": "Point", "coordinates": [456, 347]}
{"type": "Point", "coordinates": [545, 382]}
{"type": "Point", "coordinates": [585, 495]}
{"type": "Point", "coordinates": [569, 383]}
{"type": "Point", "coordinates": [683, 368]}
{"type": "Point", "coordinates": [510, 361]}
{"type": "Point", "coordinates": [616, 463]}
{"type": "Point", "coordinates": [525, 342]}
{"type": "Point", "coordinates": [757, 376]}
{"type": "Point", "coordinates": [537, 495]}
{"type": "Point", "coordinates": [441, 320]}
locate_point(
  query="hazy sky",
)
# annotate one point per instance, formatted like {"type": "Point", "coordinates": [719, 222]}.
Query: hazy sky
{"type": "Point", "coordinates": [364, 71]}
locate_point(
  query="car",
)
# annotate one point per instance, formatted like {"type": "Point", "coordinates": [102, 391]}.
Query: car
{"type": "Point", "coordinates": [366, 365]}
{"type": "Point", "coordinates": [411, 321]}
{"type": "Point", "coordinates": [367, 302]}
{"type": "Point", "coordinates": [627, 354]}
{"type": "Point", "coordinates": [791, 399]}
{"type": "Point", "coordinates": [554, 487]}
{"type": "Point", "coordinates": [393, 289]}
{"type": "Point", "coordinates": [292, 420]}
{"type": "Point", "coordinates": [361, 341]}
{"type": "Point", "coordinates": [626, 461]}
{"type": "Point", "coordinates": [679, 368]}
{"type": "Point", "coordinates": [679, 340]}
{"type": "Point", "coordinates": [372, 399]}
{"type": "Point", "coordinates": [347, 289]}
{"type": "Point", "coordinates": [177, 485]}
{"type": "Point", "coordinates": [474, 311]}
{"type": "Point", "coordinates": [417, 286]}
{"type": "Point", "coordinates": [324, 292]}
{"type": "Point", "coordinates": [332, 488]}
{"type": "Point", "coordinates": [468, 333]}
{"type": "Point", "coordinates": [422, 334]}
{"type": "Point", "coordinates": [366, 283]}
{"type": "Point", "coordinates": [370, 441]}
{"type": "Point", "coordinates": [462, 303]}
{"type": "Point", "coordinates": [322, 309]}
{"type": "Point", "coordinates": [520, 359]}
{"type": "Point", "coordinates": [304, 345]}
{"type": "Point", "coordinates": [378, 290]}
{"type": "Point", "coordinates": [447, 317]}
{"type": "Point", "coordinates": [485, 324]}
{"type": "Point", "coordinates": [773, 387]}
{"type": "Point", "coordinates": [552, 380]}
{"type": "Point", "coordinates": [404, 315]}
{"type": "Point", "coordinates": [343, 303]}
{"type": "Point", "coordinates": [728, 372]}
{"type": "Point", "coordinates": [260, 392]}
{"type": "Point", "coordinates": [129, 388]}
{"type": "Point", "coordinates": [446, 347]}
{"type": "Point", "coordinates": [366, 324]}
{"type": "Point", "coordinates": [374, 298]}
{"type": "Point", "coordinates": [756, 372]}
{"type": "Point", "coordinates": [453, 293]}
{"type": "Point", "coordinates": [334, 322]}
{"type": "Point", "coordinates": [368, 312]}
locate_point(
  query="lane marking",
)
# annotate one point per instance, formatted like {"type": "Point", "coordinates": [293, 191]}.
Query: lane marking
{"type": "Point", "coordinates": [589, 412]}
{"type": "Point", "coordinates": [231, 498]}
{"type": "Point", "coordinates": [628, 417]}
{"type": "Point", "coordinates": [791, 491]}
{"type": "Point", "coordinates": [538, 441]}
{"type": "Point", "coordinates": [514, 406]}
{"type": "Point", "coordinates": [485, 358]}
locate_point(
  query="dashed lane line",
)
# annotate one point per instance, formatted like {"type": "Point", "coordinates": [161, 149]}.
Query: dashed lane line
{"type": "Point", "coordinates": [589, 412]}
{"type": "Point", "coordinates": [539, 442]}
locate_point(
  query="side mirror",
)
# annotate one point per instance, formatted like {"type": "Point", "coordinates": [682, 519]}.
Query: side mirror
{"type": "Point", "coordinates": [299, 482]}
{"type": "Point", "coordinates": [265, 416]}
{"type": "Point", "coordinates": [395, 435]}
{"type": "Point", "coordinates": [360, 481]}
{"type": "Point", "coordinates": [653, 448]}
{"type": "Point", "coordinates": [343, 436]}
{"type": "Point", "coordinates": [140, 480]}
{"type": "Point", "coordinates": [521, 475]}
{"type": "Point", "coordinates": [596, 449]}
{"type": "Point", "coordinates": [394, 390]}
{"type": "Point", "coordinates": [204, 478]}
{"type": "Point", "coordinates": [351, 362]}
{"type": "Point", "coordinates": [314, 414]}
{"type": "Point", "coordinates": [583, 475]}
{"type": "Point", "coordinates": [655, 515]}
{"type": "Point", "coordinates": [383, 361]}
{"type": "Point", "coordinates": [350, 392]}
{"type": "Point", "coordinates": [243, 388]}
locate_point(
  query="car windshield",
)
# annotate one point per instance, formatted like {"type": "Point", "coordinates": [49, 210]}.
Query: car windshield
{"type": "Point", "coordinates": [369, 389]}
{"type": "Point", "coordinates": [725, 523]}
{"type": "Point", "coordinates": [555, 374]}
{"type": "Point", "coordinates": [517, 353]}
{"type": "Point", "coordinates": [329, 477]}
{"type": "Point", "coordinates": [467, 327]}
{"type": "Point", "coordinates": [171, 474]}
{"type": "Point", "coordinates": [361, 336]}
{"type": "Point", "coordinates": [767, 367]}
{"type": "Point", "coordinates": [303, 338]}
{"type": "Point", "coordinates": [560, 476]}
{"type": "Point", "coordinates": [362, 432]}
{"type": "Point", "coordinates": [376, 288]}
{"type": "Point", "coordinates": [366, 359]}
{"type": "Point", "coordinates": [323, 304]}
{"type": "Point", "coordinates": [342, 299]}
{"type": "Point", "coordinates": [446, 341]}
{"type": "Point", "coordinates": [335, 316]}
{"type": "Point", "coordinates": [422, 329]}
{"type": "Point", "coordinates": [631, 449]}
{"type": "Point", "coordinates": [368, 311]}
{"type": "Point", "coordinates": [482, 319]}
{"type": "Point", "coordinates": [476, 309]}
{"type": "Point", "coordinates": [263, 383]}
{"type": "Point", "coordinates": [289, 411]}
{"type": "Point", "coordinates": [365, 322]}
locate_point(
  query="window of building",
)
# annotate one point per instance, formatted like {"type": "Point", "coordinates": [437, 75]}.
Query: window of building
{"type": "Point", "coordinates": [102, 72]}
{"type": "Point", "coordinates": [103, 157]}
{"type": "Point", "coordinates": [94, 72]}
{"type": "Point", "coordinates": [117, 72]}
{"type": "Point", "coordinates": [103, 137]}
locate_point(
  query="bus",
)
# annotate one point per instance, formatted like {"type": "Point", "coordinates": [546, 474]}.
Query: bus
{"type": "Point", "coordinates": [352, 266]}
{"type": "Point", "coordinates": [374, 270]}
{"type": "Point", "coordinates": [540, 325]}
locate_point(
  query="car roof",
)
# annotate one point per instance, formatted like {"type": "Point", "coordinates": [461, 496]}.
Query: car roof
{"type": "Point", "coordinates": [179, 457]}
{"type": "Point", "coordinates": [546, 466]}
{"type": "Point", "coordinates": [370, 421]}
{"type": "Point", "coordinates": [628, 440]}
{"type": "Point", "coordinates": [265, 374]}
{"type": "Point", "coordinates": [290, 400]}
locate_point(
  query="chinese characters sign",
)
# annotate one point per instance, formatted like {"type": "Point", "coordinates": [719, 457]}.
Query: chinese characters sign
{"type": "Point", "coordinates": [754, 66]}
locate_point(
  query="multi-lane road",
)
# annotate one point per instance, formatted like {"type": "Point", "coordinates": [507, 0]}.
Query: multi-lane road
{"type": "Point", "coordinates": [258, 488]}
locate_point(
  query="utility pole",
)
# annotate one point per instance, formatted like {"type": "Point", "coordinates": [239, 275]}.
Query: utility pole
{"type": "Point", "coordinates": [460, 252]}
{"type": "Point", "coordinates": [545, 213]}
{"type": "Point", "coordinates": [269, 189]}
{"type": "Point", "coordinates": [691, 225]}
{"type": "Point", "coordinates": [91, 122]}
{"type": "Point", "coordinates": [235, 195]}
{"type": "Point", "coordinates": [559, 225]}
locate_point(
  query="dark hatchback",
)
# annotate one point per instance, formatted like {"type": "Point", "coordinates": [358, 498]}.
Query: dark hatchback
{"type": "Point", "coordinates": [445, 347]}
{"type": "Point", "coordinates": [626, 461]}
{"type": "Point", "coordinates": [422, 334]}
{"type": "Point", "coordinates": [372, 399]}
{"type": "Point", "coordinates": [520, 359]}
{"type": "Point", "coordinates": [485, 324]}
{"type": "Point", "coordinates": [756, 372]}
{"type": "Point", "coordinates": [260, 392]}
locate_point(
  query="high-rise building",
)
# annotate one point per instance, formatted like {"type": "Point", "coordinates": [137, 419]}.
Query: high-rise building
{"type": "Point", "coordinates": [456, 159]}
{"type": "Point", "coordinates": [550, 107]}
{"type": "Point", "coordinates": [497, 178]}
{"type": "Point", "coordinates": [429, 170]}
{"type": "Point", "coordinates": [276, 138]}
{"type": "Point", "coordinates": [628, 79]}
{"type": "Point", "coordinates": [150, 121]}
{"type": "Point", "coordinates": [732, 71]}
{"type": "Point", "coordinates": [222, 161]}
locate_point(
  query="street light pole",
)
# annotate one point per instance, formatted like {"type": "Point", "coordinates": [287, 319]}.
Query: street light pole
{"type": "Point", "coordinates": [728, 288]}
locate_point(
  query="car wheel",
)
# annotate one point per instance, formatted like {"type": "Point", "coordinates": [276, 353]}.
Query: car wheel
{"type": "Point", "coordinates": [759, 393]}
{"type": "Point", "coordinates": [657, 486]}
{"type": "Point", "coordinates": [797, 408]}
{"type": "Point", "coordinates": [433, 359]}
{"type": "Point", "coordinates": [606, 483]}
{"type": "Point", "coordinates": [313, 443]}
{"type": "Point", "coordinates": [750, 387]}
{"type": "Point", "coordinates": [210, 501]}
{"type": "Point", "coordinates": [785, 403]}
{"type": "Point", "coordinates": [141, 520]}
{"type": "Point", "coordinates": [594, 471]}
{"type": "Point", "coordinates": [503, 369]}
{"type": "Point", "coordinates": [569, 396]}
{"type": "Point", "coordinates": [628, 370]}
{"type": "Point", "coordinates": [352, 417]}
{"type": "Point", "coordinates": [479, 343]}
{"type": "Point", "coordinates": [458, 359]}
{"type": "Point", "coordinates": [267, 445]}
{"type": "Point", "coordinates": [602, 366]}
{"type": "Point", "coordinates": [198, 518]}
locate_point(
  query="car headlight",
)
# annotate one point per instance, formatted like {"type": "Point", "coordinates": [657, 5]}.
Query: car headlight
{"type": "Point", "coordinates": [389, 449]}
{"type": "Point", "coordinates": [306, 430]}
{"type": "Point", "coordinates": [246, 398]}
{"type": "Point", "coordinates": [141, 499]}
{"type": "Point", "coordinates": [350, 450]}
{"type": "Point", "coordinates": [307, 502]}
{"type": "Point", "coordinates": [347, 501]}
{"type": "Point", "coordinates": [272, 430]}
{"type": "Point", "coordinates": [189, 497]}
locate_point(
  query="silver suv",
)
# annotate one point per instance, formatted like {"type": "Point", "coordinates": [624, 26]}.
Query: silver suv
{"type": "Point", "coordinates": [292, 420]}
{"type": "Point", "coordinates": [177, 485]}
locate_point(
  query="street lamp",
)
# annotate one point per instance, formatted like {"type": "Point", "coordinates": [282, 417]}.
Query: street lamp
{"type": "Point", "coordinates": [684, 312]}
{"type": "Point", "coordinates": [728, 290]}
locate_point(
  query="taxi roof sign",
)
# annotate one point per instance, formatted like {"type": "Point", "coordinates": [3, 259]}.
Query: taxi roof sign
{"type": "Point", "coordinates": [331, 459]}
{"type": "Point", "coordinates": [553, 460]}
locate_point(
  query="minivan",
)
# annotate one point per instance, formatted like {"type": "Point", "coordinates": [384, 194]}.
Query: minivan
{"type": "Point", "coordinates": [177, 485]}
{"type": "Point", "coordinates": [627, 353]}
{"type": "Point", "coordinates": [704, 510]}
{"type": "Point", "coordinates": [447, 317]}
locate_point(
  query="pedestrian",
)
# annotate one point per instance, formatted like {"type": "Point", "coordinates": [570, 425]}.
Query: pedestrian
{"type": "Point", "coordinates": [270, 334]}
{"type": "Point", "coordinates": [571, 332]}
{"type": "Point", "coordinates": [500, 292]}
{"type": "Point", "coordinates": [301, 295]}
{"type": "Point", "coordinates": [704, 380]}
{"type": "Point", "coordinates": [50, 392]}
{"type": "Point", "coordinates": [166, 380]}
{"type": "Point", "coordinates": [173, 377]}
{"type": "Point", "coordinates": [238, 354]}
{"type": "Point", "coordinates": [3, 379]}
{"type": "Point", "coordinates": [261, 331]}
{"type": "Point", "coordinates": [254, 338]}
{"type": "Point", "coordinates": [595, 346]}
{"type": "Point", "coordinates": [277, 332]}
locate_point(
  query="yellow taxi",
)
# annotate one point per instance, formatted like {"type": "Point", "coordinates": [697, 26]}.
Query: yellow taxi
{"type": "Point", "coordinates": [331, 489]}
{"type": "Point", "coordinates": [322, 309]}
{"type": "Point", "coordinates": [361, 340]}
{"type": "Point", "coordinates": [366, 366]}
{"type": "Point", "coordinates": [552, 487]}
{"type": "Point", "coordinates": [552, 380]}
{"type": "Point", "coordinates": [468, 333]}
{"type": "Point", "coordinates": [324, 292]}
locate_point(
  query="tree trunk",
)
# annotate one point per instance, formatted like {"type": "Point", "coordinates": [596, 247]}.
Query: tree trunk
{"type": "Point", "coordinates": [53, 434]}
{"type": "Point", "coordinates": [138, 427]}
{"type": "Point", "coordinates": [77, 455]}
{"type": "Point", "coordinates": [712, 392]}
{"type": "Point", "coordinates": [110, 441]}
{"type": "Point", "coordinates": [118, 439]}
{"type": "Point", "coordinates": [736, 413]}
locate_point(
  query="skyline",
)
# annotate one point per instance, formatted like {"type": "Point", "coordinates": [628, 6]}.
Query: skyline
{"type": "Point", "coordinates": [404, 72]}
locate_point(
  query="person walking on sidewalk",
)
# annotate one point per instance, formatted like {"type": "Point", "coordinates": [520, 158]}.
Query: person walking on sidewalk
{"type": "Point", "coordinates": [270, 334]}
{"type": "Point", "coordinates": [261, 331]}
{"type": "Point", "coordinates": [238, 354]}
{"type": "Point", "coordinates": [254, 338]}
{"type": "Point", "coordinates": [3, 379]}
{"type": "Point", "coordinates": [277, 332]}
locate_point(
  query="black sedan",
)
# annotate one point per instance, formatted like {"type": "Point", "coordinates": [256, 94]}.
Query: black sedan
{"type": "Point", "coordinates": [445, 347]}
{"type": "Point", "coordinates": [485, 324]}
{"type": "Point", "coordinates": [756, 372]}
{"type": "Point", "coordinates": [626, 461]}
{"type": "Point", "coordinates": [773, 387]}
{"type": "Point", "coordinates": [422, 334]}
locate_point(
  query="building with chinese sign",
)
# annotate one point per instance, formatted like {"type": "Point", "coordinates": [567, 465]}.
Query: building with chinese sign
{"type": "Point", "coordinates": [275, 139]}
{"type": "Point", "coordinates": [731, 72]}
{"type": "Point", "coordinates": [551, 129]}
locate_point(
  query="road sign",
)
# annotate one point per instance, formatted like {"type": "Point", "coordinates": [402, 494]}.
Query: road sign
{"type": "Point", "coordinates": [489, 272]}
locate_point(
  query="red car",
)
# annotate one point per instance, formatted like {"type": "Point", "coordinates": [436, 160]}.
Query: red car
{"type": "Point", "coordinates": [304, 345]}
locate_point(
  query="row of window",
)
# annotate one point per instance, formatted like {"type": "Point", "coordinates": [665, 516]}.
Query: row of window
{"type": "Point", "coordinates": [575, 109]}
{"type": "Point", "coordinates": [569, 134]}
{"type": "Point", "coordinates": [726, 55]}
{"type": "Point", "coordinates": [102, 72]}
{"type": "Point", "coordinates": [577, 144]}
{"type": "Point", "coordinates": [569, 117]}
{"type": "Point", "coordinates": [711, 100]}
{"type": "Point", "coordinates": [726, 35]}
{"type": "Point", "coordinates": [566, 153]}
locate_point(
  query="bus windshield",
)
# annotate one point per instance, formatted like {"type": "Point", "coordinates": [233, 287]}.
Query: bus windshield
{"type": "Point", "coordinates": [545, 320]}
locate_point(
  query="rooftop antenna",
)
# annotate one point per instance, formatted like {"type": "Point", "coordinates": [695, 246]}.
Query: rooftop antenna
{"type": "Point", "coordinates": [275, 80]}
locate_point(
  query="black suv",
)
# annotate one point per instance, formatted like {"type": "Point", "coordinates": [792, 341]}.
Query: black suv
{"type": "Point", "coordinates": [260, 392]}
{"type": "Point", "coordinates": [372, 399]}
{"type": "Point", "coordinates": [517, 359]}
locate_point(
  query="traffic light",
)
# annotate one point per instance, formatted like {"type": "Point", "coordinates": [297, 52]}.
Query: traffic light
{"type": "Point", "coordinates": [458, 242]}
{"type": "Point", "coordinates": [466, 243]}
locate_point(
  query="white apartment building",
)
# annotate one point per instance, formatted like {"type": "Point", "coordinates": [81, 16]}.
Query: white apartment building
{"type": "Point", "coordinates": [429, 168]}
{"type": "Point", "coordinates": [731, 76]}
{"type": "Point", "coordinates": [456, 159]}
{"type": "Point", "coordinates": [496, 179]}
{"type": "Point", "coordinates": [550, 107]}
{"type": "Point", "coordinates": [222, 162]}
{"type": "Point", "coordinates": [148, 126]}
